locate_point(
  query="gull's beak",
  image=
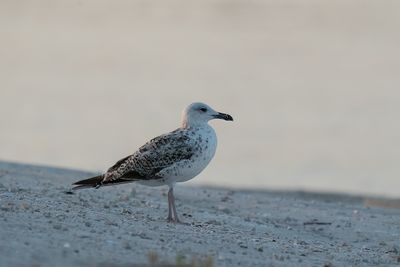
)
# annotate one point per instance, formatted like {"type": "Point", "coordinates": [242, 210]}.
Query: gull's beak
{"type": "Point", "coordinates": [223, 116]}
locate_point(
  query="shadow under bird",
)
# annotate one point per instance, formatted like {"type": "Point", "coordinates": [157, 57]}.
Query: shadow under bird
{"type": "Point", "coordinates": [168, 159]}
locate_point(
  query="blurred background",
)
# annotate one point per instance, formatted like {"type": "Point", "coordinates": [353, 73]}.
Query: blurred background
{"type": "Point", "coordinates": [313, 86]}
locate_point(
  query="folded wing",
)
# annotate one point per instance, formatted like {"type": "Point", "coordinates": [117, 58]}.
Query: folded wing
{"type": "Point", "coordinates": [157, 154]}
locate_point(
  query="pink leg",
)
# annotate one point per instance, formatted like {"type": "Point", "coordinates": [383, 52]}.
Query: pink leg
{"type": "Point", "coordinates": [171, 207]}
{"type": "Point", "coordinates": [170, 199]}
{"type": "Point", "coordinates": [174, 209]}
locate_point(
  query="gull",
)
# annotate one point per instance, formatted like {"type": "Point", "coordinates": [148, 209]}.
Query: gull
{"type": "Point", "coordinates": [168, 159]}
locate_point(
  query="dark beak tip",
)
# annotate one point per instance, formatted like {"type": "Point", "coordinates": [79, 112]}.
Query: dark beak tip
{"type": "Point", "coordinates": [224, 116]}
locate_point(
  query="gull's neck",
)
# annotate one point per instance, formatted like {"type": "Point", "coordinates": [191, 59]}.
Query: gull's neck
{"type": "Point", "coordinates": [190, 123]}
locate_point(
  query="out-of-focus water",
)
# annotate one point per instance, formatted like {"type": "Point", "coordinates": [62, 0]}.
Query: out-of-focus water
{"type": "Point", "coordinates": [314, 86]}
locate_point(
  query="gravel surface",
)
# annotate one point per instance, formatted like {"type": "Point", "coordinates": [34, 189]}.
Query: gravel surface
{"type": "Point", "coordinates": [42, 225]}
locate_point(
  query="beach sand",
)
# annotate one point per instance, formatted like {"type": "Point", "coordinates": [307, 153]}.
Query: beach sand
{"type": "Point", "coordinates": [41, 225]}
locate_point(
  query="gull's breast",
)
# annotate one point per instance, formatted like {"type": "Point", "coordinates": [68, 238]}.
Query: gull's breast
{"type": "Point", "coordinates": [204, 142]}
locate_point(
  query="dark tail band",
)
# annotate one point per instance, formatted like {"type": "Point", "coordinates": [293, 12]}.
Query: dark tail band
{"type": "Point", "coordinates": [89, 183]}
{"type": "Point", "coordinates": [97, 181]}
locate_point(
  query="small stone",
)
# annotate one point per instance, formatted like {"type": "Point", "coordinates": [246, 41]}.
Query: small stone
{"type": "Point", "coordinates": [25, 206]}
{"type": "Point", "coordinates": [5, 208]}
{"type": "Point", "coordinates": [242, 245]}
{"type": "Point", "coordinates": [224, 209]}
{"type": "Point", "coordinates": [127, 246]}
{"type": "Point", "coordinates": [214, 222]}
{"type": "Point", "coordinates": [225, 199]}
{"type": "Point", "coordinates": [108, 222]}
{"type": "Point", "coordinates": [126, 211]}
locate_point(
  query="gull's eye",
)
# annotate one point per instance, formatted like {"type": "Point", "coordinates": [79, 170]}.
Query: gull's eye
{"type": "Point", "coordinates": [203, 109]}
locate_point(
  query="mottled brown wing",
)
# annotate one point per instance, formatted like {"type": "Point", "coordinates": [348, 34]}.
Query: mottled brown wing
{"type": "Point", "coordinates": [157, 154]}
{"type": "Point", "coordinates": [118, 163]}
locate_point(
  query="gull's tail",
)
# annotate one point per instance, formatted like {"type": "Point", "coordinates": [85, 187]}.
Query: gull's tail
{"type": "Point", "coordinates": [97, 181]}
{"type": "Point", "coordinates": [93, 182]}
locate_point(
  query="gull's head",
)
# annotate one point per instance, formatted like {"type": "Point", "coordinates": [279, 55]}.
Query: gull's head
{"type": "Point", "coordinates": [200, 113]}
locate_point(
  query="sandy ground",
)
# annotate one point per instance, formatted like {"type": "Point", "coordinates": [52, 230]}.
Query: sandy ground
{"type": "Point", "coordinates": [41, 225]}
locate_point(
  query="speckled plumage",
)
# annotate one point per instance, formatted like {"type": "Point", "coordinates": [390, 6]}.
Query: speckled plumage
{"type": "Point", "coordinates": [170, 158]}
{"type": "Point", "coordinates": [164, 159]}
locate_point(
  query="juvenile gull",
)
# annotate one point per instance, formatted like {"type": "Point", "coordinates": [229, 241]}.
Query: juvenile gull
{"type": "Point", "coordinates": [168, 159]}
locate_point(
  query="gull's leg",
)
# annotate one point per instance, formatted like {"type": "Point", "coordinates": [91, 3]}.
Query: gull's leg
{"type": "Point", "coordinates": [170, 199]}
{"type": "Point", "coordinates": [174, 208]}
{"type": "Point", "coordinates": [172, 214]}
